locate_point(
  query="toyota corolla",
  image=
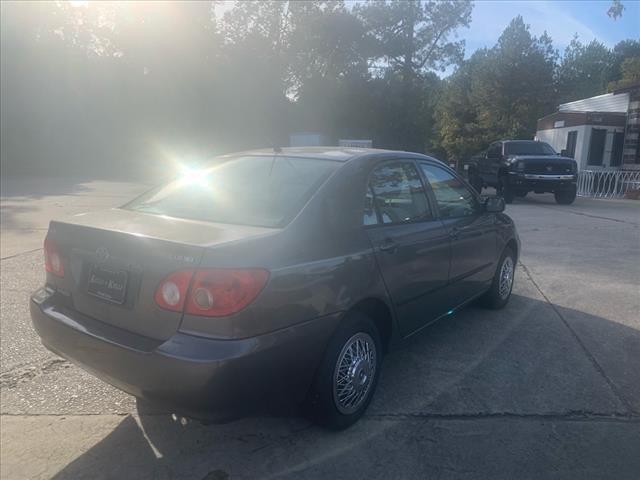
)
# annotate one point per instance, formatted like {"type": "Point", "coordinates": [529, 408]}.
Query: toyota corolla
{"type": "Point", "coordinates": [273, 275]}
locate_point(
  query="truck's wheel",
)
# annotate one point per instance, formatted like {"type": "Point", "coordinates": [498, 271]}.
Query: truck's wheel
{"type": "Point", "coordinates": [475, 181]}
{"type": "Point", "coordinates": [348, 374]}
{"type": "Point", "coordinates": [505, 191]}
{"type": "Point", "coordinates": [565, 197]}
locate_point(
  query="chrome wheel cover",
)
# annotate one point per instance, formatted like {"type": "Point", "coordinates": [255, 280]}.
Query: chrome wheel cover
{"type": "Point", "coordinates": [506, 278]}
{"type": "Point", "coordinates": [354, 373]}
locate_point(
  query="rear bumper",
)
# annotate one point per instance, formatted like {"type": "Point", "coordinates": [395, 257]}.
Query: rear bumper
{"type": "Point", "coordinates": [194, 375]}
{"type": "Point", "coordinates": [541, 183]}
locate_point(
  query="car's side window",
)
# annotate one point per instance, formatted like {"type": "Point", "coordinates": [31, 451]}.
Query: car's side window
{"type": "Point", "coordinates": [397, 195]}
{"type": "Point", "coordinates": [454, 199]}
{"type": "Point", "coordinates": [370, 215]}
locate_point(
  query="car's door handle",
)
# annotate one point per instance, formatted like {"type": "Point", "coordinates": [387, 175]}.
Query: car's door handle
{"type": "Point", "coordinates": [389, 246]}
{"type": "Point", "coordinates": [454, 232]}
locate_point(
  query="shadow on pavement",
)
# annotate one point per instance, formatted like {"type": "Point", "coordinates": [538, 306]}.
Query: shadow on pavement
{"type": "Point", "coordinates": [508, 394]}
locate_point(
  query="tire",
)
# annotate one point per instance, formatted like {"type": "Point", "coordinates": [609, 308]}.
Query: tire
{"type": "Point", "coordinates": [498, 295]}
{"type": "Point", "coordinates": [324, 406]}
{"type": "Point", "coordinates": [506, 191]}
{"type": "Point", "coordinates": [475, 181]}
{"type": "Point", "coordinates": [565, 197]}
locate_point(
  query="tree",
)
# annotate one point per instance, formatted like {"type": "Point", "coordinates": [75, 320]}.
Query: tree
{"type": "Point", "coordinates": [498, 93]}
{"type": "Point", "coordinates": [630, 74]}
{"type": "Point", "coordinates": [457, 118]}
{"type": "Point", "coordinates": [584, 70]}
{"type": "Point", "coordinates": [626, 52]}
{"type": "Point", "coordinates": [412, 38]}
{"type": "Point", "coordinates": [616, 9]}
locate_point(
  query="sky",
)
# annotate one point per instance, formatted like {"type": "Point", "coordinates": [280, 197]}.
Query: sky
{"type": "Point", "coordinates": [561, 19]}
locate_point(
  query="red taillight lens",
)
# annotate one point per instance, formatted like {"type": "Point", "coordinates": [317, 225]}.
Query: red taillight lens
{"type": "Point", "coordinates": [220, 292]}
{"type": "Point", "coordinates": [172, 291]}
{"type": "Point", "coordinates": [52, 259]}
{"type": "Point", "coordinates": [212, 292]}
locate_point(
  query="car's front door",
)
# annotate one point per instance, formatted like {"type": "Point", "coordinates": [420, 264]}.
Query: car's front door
{"type": "Point", "coordinates": [472, 232]}
{"type": "Point", "coordinates": [411, 245]}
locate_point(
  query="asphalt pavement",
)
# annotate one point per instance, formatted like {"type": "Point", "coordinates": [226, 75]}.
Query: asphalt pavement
{"type": "Point", "coordinates": [549, 387]}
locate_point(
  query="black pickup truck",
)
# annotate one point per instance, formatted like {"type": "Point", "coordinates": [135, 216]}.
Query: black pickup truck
{"type": "Point", "coordinates": [517, 167]}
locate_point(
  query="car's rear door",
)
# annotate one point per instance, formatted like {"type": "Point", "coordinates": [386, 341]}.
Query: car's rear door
{"type": "Point", "coordinates": [411, 245]}
{"type": "Point", "coordinates": [472, 232]}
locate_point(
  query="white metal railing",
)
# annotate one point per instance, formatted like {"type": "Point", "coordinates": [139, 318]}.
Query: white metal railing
{"type": "Point", "coordinates": [607, 183]}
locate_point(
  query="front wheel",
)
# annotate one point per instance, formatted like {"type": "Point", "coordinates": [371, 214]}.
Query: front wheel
{"type": "Point", "coordinates": [565, 197]}
{"type": "Point", "coordinates": [348, 374]}
{"type": "Point", "coordinates": [475, 181]}
{"type": "Point", "coordinates": [506, 191]}
{"type": "Point", "coordinates": [502, 284]}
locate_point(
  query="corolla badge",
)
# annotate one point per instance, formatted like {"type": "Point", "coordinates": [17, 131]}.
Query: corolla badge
{"type": "Point", "coordinates": [549, 168]}
{"type": "Point", "coordinates": [102, 254]}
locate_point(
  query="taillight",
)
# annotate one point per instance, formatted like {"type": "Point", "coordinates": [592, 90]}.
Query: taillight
{"type": "Point", "coordinates": [172, 291]}
{"type": "Point", "coordinates": [220, 292]}
{"type": "Point", "coordinates": [211, 292]}
{"type": "Point", "coordinates": [52, 258]}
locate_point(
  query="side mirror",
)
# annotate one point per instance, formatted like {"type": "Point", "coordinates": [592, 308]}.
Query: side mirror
{"type": "Point", "coordinates": [494, 204]}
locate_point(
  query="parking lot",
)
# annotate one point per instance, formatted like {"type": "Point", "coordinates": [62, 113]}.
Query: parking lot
{"type": "Point", "coordinates": [549, 387]}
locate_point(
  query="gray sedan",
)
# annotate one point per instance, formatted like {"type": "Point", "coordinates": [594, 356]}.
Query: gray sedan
{"type": "Point", "coordinates": [271, 277]}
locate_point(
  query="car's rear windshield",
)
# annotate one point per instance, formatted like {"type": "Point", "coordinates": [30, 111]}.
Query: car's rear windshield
{"type": "Point", "coordinates": [266, 191]}
{"type": "Point", "coordinates": [528, 148]}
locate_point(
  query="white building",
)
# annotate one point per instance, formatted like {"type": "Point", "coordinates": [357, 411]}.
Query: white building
{"type": "Point", "coordinates": [591, 130]}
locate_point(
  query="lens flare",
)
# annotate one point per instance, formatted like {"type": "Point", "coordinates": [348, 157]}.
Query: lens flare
{"type": "Point", "coordinates": [194, 177]}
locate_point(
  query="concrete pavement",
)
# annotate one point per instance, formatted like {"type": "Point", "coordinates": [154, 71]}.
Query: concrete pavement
{"type": "Point", "coordinates": [549, 387]}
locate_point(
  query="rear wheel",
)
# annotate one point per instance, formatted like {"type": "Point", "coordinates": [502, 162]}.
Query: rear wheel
{"type": "Point", "coordinates": [565, 197]}
{"type": "Point", "coordinates": [500, 292]}
{"type": "Point", "coordinates": [348, 374]}
{"type": "Point", "coordinates": [505, 190]}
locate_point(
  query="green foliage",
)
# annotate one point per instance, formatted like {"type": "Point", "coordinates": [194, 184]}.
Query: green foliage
{"type": "Point", "coordinates": [111, 86]}
{"type": "Point", "coordinates": [498, 93]}
{"type": "Point", "coordinates": [502, 92]}
{"type": "Point", "coordinates": [616, 9]}
{"type": "Point", "coordinates": [584, 70]}
{"type": "Point", "coordinates": [630, 70]}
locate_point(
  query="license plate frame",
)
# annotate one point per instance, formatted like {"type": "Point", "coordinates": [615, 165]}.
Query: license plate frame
{"type": "Point", "coordinates": [108, 284]}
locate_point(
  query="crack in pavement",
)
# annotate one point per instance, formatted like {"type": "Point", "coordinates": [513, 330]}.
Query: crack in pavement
{"type": "Point", "coordinates": [13, 378]}
{"type": "Point", "coordinates": [584, 348]}
{"type": "Point", "coordinates": [569, 415]}
{"type": "Point", "coordinates": [573, 212]}
{"type": "Point", "coordinates": [21, 253]}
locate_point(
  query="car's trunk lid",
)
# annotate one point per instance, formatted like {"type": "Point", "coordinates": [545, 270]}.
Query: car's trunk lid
{"type": "Point", "coordinates": [115, 259]}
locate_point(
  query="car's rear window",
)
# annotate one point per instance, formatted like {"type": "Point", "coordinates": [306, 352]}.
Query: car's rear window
{"type": "Point", "coordinates": [265, 191]}
{"type": "Point", "coordinates": [528, 148]}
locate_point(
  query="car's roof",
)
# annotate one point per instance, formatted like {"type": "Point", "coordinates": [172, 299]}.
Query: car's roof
{"type": "Point", "coordinates": [521, 141]}
{"type": "Point", "coordinates": [340, 154]}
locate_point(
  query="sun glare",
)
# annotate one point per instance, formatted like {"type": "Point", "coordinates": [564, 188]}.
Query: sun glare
{"type": "Point", "coordinates": [79, 3]}
{"type": "Point", "coordinates": [194, 177]}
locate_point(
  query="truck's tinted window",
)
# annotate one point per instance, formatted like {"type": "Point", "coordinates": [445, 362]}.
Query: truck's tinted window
{"type": "Point", "coordinates": [262, 191]}
{"type": "Point", "coordinates": [494, 151]}
{"type": "Point", "coordinates": [528, 148]}
{"type": "Point", "coordinates": [453, 197]}
{"type": "Point", "coordinates": [398, 194]}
